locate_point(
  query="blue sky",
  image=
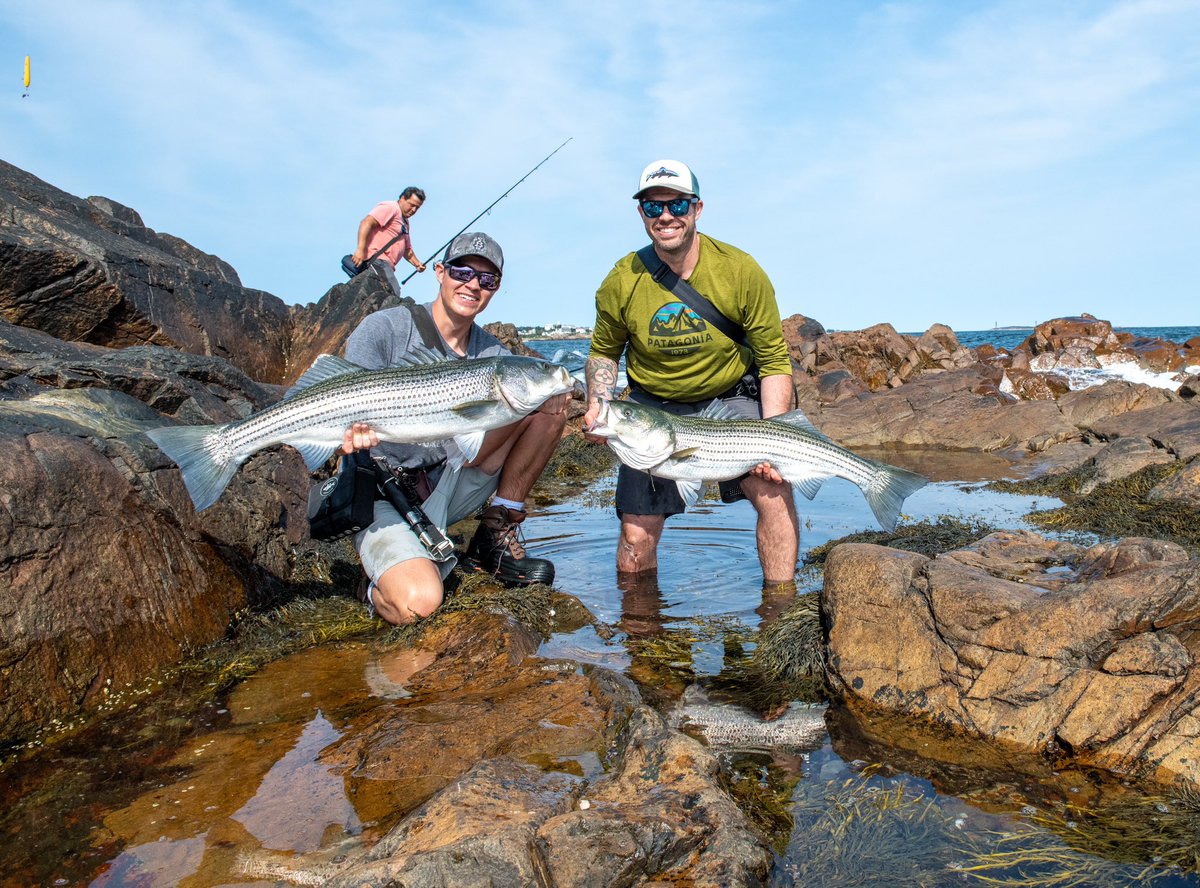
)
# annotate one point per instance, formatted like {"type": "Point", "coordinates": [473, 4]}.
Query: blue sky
{"type": "Point", "coordinates": [910, 162]}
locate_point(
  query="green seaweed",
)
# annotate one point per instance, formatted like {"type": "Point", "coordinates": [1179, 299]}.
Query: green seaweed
{"type": "Point", "coordinates": [852, 831]}
{"type": "Point", "coordinates": [1114, 509]}
{"type": "Point", "coordinates": [924, 537]}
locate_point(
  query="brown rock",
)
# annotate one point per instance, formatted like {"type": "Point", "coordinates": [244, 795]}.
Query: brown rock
{"type": "Point", "coordinates": [1182, 487]}
{"type": "Point", "coordinates": [1085, 656]}
{"type": "Point", "coordinates": [1155, 354]}
{"type": "Point", "coordinates": [323, 327]}
{"type": "Point", "coordinates": [1029, 386]}
{"type": "Point", "coordinates": [874, 355]}
{"type": "Point", "coordinates": [106, 570]}
{"type": "Point", "coordinates": [810, 347]}
{"type": "Point", "coordinates": [1122, 458]}
{"type": "Point", "coordinates": [481, 815]}
{"type": "Point", "coordinates": [1173, 425]}
{"type": "Point", "coordinates": [1189, 387]}
{"type": "Point", "coordinates": [510, 339]}
{"type": "Point", "coordinates": [90, 271]}
{"type": "Point", "coordinates": [1085, 330]}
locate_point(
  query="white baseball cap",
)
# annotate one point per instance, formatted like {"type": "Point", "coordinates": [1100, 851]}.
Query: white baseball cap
{"type": "Point", "coordinates": [673, 174]}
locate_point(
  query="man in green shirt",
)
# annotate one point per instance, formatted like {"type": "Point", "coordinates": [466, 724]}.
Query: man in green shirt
{"type": "Point", "coordinates": [678, 362]}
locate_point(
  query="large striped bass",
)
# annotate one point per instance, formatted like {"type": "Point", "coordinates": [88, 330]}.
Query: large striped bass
{"type": "Point", "coordinates": [716, 445]}
{"type": "Point", "coordinates": [427, 400]}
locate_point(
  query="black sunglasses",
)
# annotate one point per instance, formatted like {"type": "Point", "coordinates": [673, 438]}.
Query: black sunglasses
{"type": "Point", "coordinates": [679, 206]}
{"type": "Point", "coordinates": [488, 280]}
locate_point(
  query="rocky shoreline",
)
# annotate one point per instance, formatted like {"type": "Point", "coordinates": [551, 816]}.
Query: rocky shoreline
{"type": "Point", "coordinates": [1029, 649]}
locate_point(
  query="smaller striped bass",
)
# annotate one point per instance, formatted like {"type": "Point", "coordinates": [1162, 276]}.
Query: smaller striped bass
{"type": "Point", "coordinates": [429, 399]}
{"type": "Point", "coordinates": [717, 445]}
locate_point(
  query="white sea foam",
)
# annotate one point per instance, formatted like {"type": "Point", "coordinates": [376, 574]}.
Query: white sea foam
{"type": "Point", "coordinates": [1122, 367]}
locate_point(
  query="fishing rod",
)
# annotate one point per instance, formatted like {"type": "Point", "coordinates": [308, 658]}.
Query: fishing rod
{"type": "Point", "coordinates": [485, 212]}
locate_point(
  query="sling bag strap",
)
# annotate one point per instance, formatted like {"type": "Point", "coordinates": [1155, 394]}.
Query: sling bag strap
{"type": "Point", "coordinates": [383, 249]}
{"type": "Point", "coordinates": [423, 321]}
{"type": "Point", "coordinates": [690, 297]}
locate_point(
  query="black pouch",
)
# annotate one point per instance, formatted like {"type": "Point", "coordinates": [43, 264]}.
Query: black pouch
{"type": "Point", "coordinates": [350, 268]}
{"type": "Point", "coordinates": [344, 504]}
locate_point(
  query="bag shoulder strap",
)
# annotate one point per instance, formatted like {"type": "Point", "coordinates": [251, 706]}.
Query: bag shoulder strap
{"type": "Point", "coordinates": [423, 321]}
{"type": "Point", "coordinates": [383, 249]}
{"type": "Point", "coordinates": [690, 296]}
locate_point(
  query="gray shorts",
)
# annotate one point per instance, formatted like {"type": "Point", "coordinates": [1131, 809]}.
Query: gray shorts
{"type": "Point", "coordinates": [389, 540]}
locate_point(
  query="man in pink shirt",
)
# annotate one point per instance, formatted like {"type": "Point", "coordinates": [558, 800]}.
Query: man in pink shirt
{"type": "Point", "coordinates": [384, 236]}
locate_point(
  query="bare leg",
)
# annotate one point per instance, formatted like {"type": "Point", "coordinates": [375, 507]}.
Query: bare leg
{"type": "Point", "coordinates": [519, 452]}
{"type": "Point", "coordinates": [408, 590]}
{"type": "Point", "coordinates": [637, 549]}
{"type": "Point", "coordinates": [778, 530]}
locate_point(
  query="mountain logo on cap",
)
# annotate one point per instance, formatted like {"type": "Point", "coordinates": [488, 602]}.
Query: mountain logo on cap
{"type": "Point", "coordinates": [662, 173]}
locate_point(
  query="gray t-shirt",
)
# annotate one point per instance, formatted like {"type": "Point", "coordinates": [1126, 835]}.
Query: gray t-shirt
{"type": "Point", "coordinates": [382, 340]}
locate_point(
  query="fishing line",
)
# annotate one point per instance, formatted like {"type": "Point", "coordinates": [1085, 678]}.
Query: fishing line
{"type": "Point", "coordinates": [484, 213]}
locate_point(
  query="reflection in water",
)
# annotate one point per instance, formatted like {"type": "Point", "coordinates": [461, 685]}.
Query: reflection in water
{"type": "Point", "coordinates": [299, 782]}
{"type": "Point", "coordinates": [387, 675]}
{"type": "Point", "coordinates": [660, 660]}
{"type": "Point", "coordinates": [165, 862]}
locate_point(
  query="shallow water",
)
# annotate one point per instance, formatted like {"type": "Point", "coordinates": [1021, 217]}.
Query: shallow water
{"type": "Point", "coordinates": [233, 796]}
{"type": "Point", "coordinates": [707, 558]}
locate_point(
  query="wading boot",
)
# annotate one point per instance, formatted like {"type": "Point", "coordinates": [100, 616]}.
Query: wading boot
{"type": "Point", "coordinates": [497, 549]}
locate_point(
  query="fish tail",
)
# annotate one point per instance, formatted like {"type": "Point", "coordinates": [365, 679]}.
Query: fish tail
{"type": "Point", "coordinates": [193, 449]}
{"type": "Point", "coordinates": [887, 490]}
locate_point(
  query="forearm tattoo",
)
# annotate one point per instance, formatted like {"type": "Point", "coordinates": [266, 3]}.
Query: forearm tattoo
{"type": "Point", "coordinates": [601, 375]}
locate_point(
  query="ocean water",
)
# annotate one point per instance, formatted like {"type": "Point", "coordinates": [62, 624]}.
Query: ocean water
{"type": "Point", "coordinates": [573, 352]}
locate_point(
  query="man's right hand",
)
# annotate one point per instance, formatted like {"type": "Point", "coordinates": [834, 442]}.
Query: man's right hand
{"type": "Point", "coordinates": [359, 436]}
{"type": "Point", "coordinates": [589, 420]}
{"type": "Point", "coordinates": [357, 257]}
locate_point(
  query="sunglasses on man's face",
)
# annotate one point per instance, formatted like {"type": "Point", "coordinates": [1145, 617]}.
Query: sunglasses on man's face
{"type": "Point", "coordinates": [680, 206]}
{"type": "Point", "coordinates": [488, 280]}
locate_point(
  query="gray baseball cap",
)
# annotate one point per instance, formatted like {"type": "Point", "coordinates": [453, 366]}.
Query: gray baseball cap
{"type": "Point", "coordinates": [475, 243]}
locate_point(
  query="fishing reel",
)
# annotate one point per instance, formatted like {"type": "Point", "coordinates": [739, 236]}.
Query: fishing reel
{"type": "Point", "coordinates": [399, 489]}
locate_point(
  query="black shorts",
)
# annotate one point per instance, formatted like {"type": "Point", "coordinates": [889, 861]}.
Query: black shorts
{"type": "Point", "coordinates": [640, 493]}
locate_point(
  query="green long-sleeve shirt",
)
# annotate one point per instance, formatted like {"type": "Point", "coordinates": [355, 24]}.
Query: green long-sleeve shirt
{"type": "Point", "coordinates": [671, 351]}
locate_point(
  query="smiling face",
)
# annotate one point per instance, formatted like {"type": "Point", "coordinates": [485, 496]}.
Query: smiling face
{"type": "Point", "coordinates": [466, 299]}
{"type": "Point", "coordinates": [671, 234]}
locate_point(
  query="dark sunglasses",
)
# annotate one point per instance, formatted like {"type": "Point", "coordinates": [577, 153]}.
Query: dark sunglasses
{"type": "Point", "coordinates": [680, 206]}
{"type": "Point", "coordinates": [488, 280]}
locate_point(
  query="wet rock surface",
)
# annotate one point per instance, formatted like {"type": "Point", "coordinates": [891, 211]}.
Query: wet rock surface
{"type": "Point", "coordinates": [496, 756]}
{"type": "Point", "coordinates": [106, 570]}
{"type": "Point", "coordinates": [1079, 656]}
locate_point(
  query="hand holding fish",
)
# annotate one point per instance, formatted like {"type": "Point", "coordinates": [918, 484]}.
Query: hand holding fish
{"type": "Point", "coordinates": [359, 436]}
{"type": "Point", "coordinates": [422, 401]}
{"type": "Point", "coordinates": [555, 404]}
{"type": "Point", "coordinates": [767, 472]}
{"type": "Point", "coordinates": [716, 445]}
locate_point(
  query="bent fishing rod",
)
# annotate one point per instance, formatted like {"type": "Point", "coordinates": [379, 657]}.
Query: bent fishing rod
{"type": "Point", "coordinates": [485, 212]}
